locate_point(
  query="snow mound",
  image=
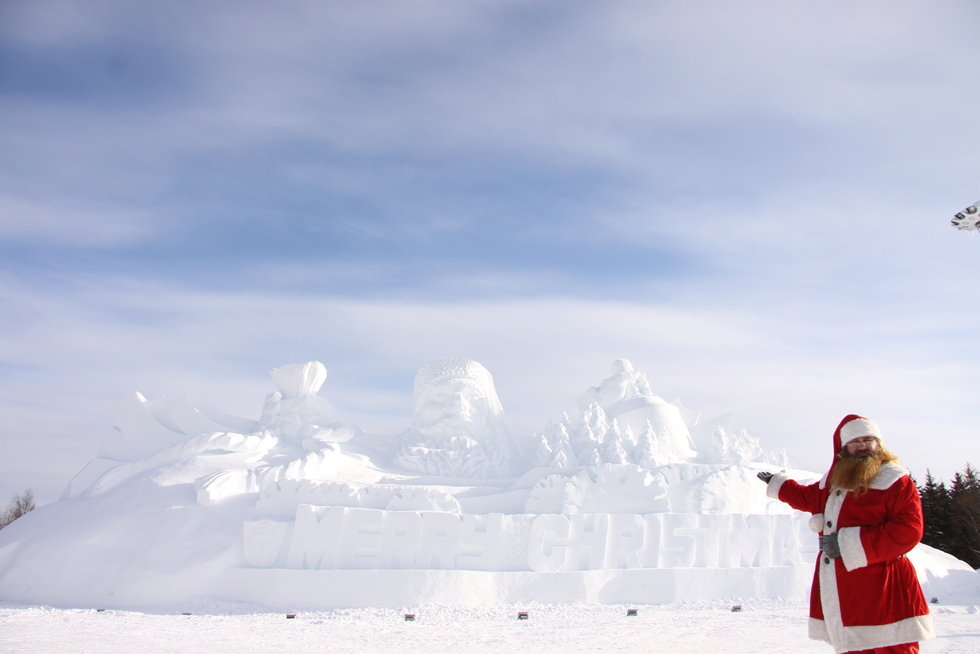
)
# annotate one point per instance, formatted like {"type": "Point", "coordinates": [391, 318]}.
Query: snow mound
{"type": "Point", "coordinates": [945, 577]}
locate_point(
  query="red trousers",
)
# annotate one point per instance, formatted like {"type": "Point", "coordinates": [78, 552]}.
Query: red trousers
{"type": "Point", "coordinates": [905, 648]}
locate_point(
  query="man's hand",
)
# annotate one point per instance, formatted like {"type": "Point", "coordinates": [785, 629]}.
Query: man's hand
{"type": "Point", "coordinates": [829, 545]}
{"type": "Point", "coordinates": [765, 476]}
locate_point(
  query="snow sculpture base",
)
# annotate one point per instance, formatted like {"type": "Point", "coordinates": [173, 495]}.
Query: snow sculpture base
{"type": "Point", "coordinates": [321, 589]}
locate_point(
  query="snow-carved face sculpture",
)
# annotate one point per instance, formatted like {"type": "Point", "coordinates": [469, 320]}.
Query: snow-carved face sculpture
{"type": "Point", "coordinates": [453, 405]}
{"type": "Point", "coordinates": [453, 396]}
{"type": "Point", "coordinates": [458, 426]}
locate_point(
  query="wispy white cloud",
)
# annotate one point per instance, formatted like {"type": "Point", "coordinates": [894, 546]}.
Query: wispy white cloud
{"type": "Point", "coordinates": [749, 200]}
{"type": "Point", "coordinates": [648, 95]}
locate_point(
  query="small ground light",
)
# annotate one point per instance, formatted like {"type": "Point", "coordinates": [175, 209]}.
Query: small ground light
{"type": "Point", "coordinates": [630, 612]}
{"type": "Point", "coordinates": [737, 608]}
{"type": "Point", "coordinates": [290, 616]}
{"type": "Point", "coordinates": [409, 617]}
{"type": "Point", "coordinates": [522, 615]}
{"type": "Point", "coordinates": [934, 600]}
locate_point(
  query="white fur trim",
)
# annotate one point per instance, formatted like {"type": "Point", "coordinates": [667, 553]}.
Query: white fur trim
{"type": "Point", "coordinates": [857, 429]}
{"type": "Point", "coordinates": [816, 523]}
{"type": "Point", "coordinates": [777, 481]}
{"type": "Point", "coordinates": [830, 600]}
{"type": "Point", "coordinates": [831, 511]}
{"type": "Point", "coordinates": [818, 630]}
{"type": "Point", "coordinates": [827, 571]}
{"type": "Point", "coordinates": [823, 480]}
{"type": "Point", "coordinates": [888, 475]}
{"type": "Point", "coordinates": [851, 549]}
{"type": "Point", "coordinates": [909, 630]}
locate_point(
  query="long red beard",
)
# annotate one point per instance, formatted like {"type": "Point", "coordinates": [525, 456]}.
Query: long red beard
{"type": "Point", "coordinates": [856, 474]}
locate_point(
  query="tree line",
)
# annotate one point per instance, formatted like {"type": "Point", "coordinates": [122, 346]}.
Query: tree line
{"type": "Point", "coordinates": [20, 505]}
{"type": "Point", "coordinates": [952, 515]}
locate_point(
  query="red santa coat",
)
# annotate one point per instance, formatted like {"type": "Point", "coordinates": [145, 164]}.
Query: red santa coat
{"type": "Point", "coordinates": [870, 596]}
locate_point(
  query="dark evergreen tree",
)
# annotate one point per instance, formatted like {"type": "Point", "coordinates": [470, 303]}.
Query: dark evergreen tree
{"type": "Point", "coordinates": [936, 513]}
{"type": "Point", "coordinates": [964, 497]}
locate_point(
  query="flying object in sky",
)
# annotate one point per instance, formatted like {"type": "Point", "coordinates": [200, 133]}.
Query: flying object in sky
{"type": "Point", "coordinates": [968, 219]}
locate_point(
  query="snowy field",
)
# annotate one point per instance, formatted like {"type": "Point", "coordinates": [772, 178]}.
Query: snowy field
{"type": "Point", "coordinates": [699, 627]}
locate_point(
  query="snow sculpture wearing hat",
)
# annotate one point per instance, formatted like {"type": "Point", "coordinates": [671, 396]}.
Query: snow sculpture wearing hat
{"type": "Point", "coordinates": [298, 437]}
{"type": "Point", "coordinates": [458, 425]}
{"type": "Point", "coordinates": [866, 595]}
{"type": "Point", "coordinates": [626, 397]}
{"type": "Point", "coordinates": [303, 432]}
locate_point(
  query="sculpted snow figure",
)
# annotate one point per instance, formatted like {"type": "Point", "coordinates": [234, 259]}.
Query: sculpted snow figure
{"type": "Point", "coordinates": [627, 398]}
{"type": "Point", "coordinates": [300, 508]}
{"type": "Point", "coordinates": [458, 425]}
{"type": "Point", "coordinates": [300, 438]}
{"type": "Point", "coordinates": [865, 594]}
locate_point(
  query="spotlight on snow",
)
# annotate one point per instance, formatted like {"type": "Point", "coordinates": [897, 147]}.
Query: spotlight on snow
{"type": "Point", "coordinates": [409, 617]}
{"type": "Point", "coordinates": [522, 615]}
{"type": "Point", "coordinates": [737, 608]}
{"type": "Point", "coordinates": [630, 612]}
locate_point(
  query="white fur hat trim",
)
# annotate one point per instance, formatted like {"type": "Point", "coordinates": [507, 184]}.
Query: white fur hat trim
{"type": "Point", "coordinates": [857, 429]}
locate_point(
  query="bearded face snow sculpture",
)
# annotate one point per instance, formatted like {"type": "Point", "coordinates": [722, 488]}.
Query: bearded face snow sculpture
{"type": "Point", "coordinates": [458, 426]}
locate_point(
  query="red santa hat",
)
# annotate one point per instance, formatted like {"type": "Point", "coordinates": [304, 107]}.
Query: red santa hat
{"type": "Point", "coordinates": [851, 427]}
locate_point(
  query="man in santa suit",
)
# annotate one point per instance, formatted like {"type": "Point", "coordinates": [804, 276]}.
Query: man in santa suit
{"type": "Point", "coordinates": [865, 595]}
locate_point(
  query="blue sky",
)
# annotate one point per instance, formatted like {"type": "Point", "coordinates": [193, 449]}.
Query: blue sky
{"type": "Point", "coordinates": [749, 200]}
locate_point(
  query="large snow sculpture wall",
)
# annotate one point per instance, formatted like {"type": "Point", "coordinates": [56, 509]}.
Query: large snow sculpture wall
{"type": "Point", "coordinates": [629, 499]}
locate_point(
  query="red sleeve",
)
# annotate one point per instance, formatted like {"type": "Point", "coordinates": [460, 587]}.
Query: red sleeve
{"type": "Point", "coordinates": [902, 528]}
{"type": "Point", "coordinates": [802, 498]}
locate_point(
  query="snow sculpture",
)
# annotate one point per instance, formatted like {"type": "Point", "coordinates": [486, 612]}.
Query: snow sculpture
{"type": "Point", "coordinates": [283, 497]}
{"type": "Point", "coordinates": [594, 441]}
{"type": "Point", "coordinates": [296, 414]}
{"type": "Point", "coordinates": [619, 502]}
{"type": "Point", "coordinates": [614, 489]}
{"type": "Point", "coordinates": [626, 397]}
{"type": "Point", "coordinates": [458, 425]}
{"type": "Point", "coordinates": [737, 449]}
{"type": "Point", "coordinates": [305, 430]}
{"type": "Point", "coordinates": [316, 535]}
{"type": "Point", "coordinates": [423, 499]}
{"type": "Point", "coordinates": [339, 538]}
{"type": "Point", "coordinates": [263, 542]}
{"type": "Point", "coordinates": [608, 488]}
{"type": "Point", "coordinates": [319, 465]}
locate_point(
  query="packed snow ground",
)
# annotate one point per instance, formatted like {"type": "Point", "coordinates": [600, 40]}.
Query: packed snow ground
{"type": "Point", "coordinates": [761, 626]}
